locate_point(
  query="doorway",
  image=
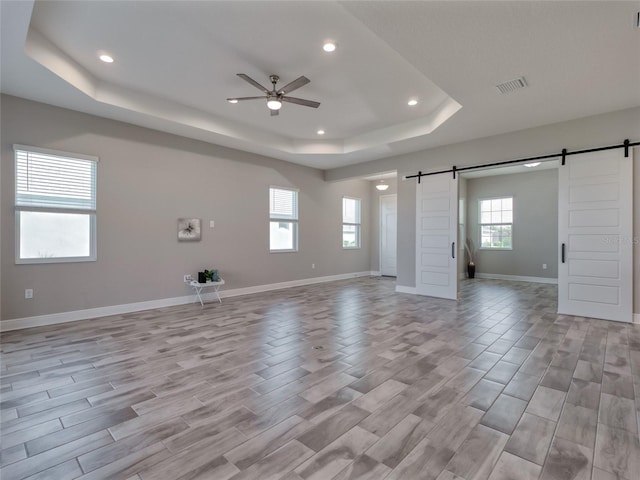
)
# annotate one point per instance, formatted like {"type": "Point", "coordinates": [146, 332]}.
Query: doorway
{"type": "Point", "coordinates": [511, 222]}
{"type": "Point", "coordinates": [588, 241]}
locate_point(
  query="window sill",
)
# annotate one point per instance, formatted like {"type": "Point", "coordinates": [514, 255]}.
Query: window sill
{"type": "Point", "coordinates": [39, 261]}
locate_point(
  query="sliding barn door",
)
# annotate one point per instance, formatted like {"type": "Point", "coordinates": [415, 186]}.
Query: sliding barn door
{"type": "Point", "coordinates": [436, 236]}
{"type": "Point", "coordinates": [595, 275]}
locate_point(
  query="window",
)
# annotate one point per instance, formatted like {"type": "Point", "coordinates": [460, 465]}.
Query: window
{"type": "Point", "coordinates": [55, 206]}
{"type": "Point", "coordinates": [496, 223]}
{"type": "Point", "coordinates": [350, 222]}
{"type": "Point", "coordinates": [283, 219]}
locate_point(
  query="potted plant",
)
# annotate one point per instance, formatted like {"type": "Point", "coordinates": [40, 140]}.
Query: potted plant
{"type": "Point", "coordinates": [471, 265]}
{"type": "Point", "coordinates": [211, 275]}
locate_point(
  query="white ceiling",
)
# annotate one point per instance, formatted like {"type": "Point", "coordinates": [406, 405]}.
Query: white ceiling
{"type": "Point", "coordinates": [176, 63]}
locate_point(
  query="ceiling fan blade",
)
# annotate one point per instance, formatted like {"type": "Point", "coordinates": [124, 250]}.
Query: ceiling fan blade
{"type": "Point", "coordinates": [297, 83]}
{"type": "Point", "coordinates": [301, 101]}
{"type": "Point", "coordinates": [247, 78]}
{"type": "Point", "coordinates": [275, 113]}
{"type": "Point", "coordinates": [245, 98]}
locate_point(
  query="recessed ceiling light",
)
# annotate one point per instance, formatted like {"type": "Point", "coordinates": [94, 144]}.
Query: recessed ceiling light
{"type": "Point", "coordinates": [232, 100]}
{"type": "Point", "coordinates": [329, 47]}
{"type": "Point", "coordinates": [531, 165]}
{"type": "Point", "coordinates": [106, 58]}
{"type": "Point", "coordinates": [412, 102]}
{"type": "Point", "coordinates": [320, 132]}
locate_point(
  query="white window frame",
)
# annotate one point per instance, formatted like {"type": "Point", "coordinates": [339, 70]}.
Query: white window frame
{"type": "Point", "coordinates": [91, 212]}
{"type": "Point", "coordinates": [480, 224]}
{"type": "Point", "coordinates": [293, 221]}
{"type": "Point", "coordinates": [358, 224]}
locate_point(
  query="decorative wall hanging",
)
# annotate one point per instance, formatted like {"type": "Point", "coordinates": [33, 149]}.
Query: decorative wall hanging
{"type": "Point", "coordinates": [189, 230]}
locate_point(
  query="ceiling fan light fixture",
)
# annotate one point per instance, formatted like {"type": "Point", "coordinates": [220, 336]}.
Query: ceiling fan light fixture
{"type": "Point", "coordinates": [274, 103]}
{"type": "Point", "coordinates": [232, 100]}
{"type": "Point", "coordinates": [413, 102]}
{"type": "Point", "coordinates": [531, 165]}
{"type": "Point", "coordinates": [329, 46]}
{"type": "Point", "coordinates": [106, 58]}
{"type": "Point", "coordinates": [320, 132]}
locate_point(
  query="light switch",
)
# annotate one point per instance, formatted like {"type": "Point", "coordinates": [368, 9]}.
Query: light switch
{"type": "Point", "coordinates": [211, 223]}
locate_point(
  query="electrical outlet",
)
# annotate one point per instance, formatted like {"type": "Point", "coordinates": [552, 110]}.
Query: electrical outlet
{"type": "Point", "coordinates": [211, 223]}
{"type": "Point", "coordinates": [28, 293]}
{"type": "Point", "coordinates": [313, 265]}
{"type": "Point", "coordinates": [187, 278]}
{"type": "Point", "coordinates": [544, 266]}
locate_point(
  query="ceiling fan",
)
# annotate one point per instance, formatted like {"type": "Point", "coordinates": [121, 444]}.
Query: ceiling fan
{"type": "Point", "coordinates": [275, 97]}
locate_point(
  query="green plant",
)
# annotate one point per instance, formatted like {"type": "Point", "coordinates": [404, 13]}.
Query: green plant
{"type": "Point", "coordinates": [211, 275]}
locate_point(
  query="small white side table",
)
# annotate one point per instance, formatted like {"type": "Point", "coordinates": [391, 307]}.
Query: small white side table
{"type": "Point", "coordinates": [198, 287]}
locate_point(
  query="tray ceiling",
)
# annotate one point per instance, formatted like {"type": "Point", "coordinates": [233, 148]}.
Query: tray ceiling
{"type": "Point", "coordinates": [176, 63]}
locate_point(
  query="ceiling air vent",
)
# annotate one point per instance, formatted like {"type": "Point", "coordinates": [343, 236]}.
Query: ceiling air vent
{"type": "Point", "coordinates": [512, 85]}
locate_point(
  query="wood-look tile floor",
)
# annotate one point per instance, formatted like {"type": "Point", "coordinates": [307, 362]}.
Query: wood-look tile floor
{"type": "Point", "coordinates": [340, 380]}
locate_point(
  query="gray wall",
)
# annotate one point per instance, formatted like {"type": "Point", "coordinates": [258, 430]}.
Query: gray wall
{"type": "Point", "coordinates": [535, 224]}
{"type": "Point", "coordinates": [146, 181]}
{"type": "Point", "coordinates": [463, 258]}
{"type": "Point", "coordinates": [595, 131]}
{"type": "Point", "coordinates": [374, 222]}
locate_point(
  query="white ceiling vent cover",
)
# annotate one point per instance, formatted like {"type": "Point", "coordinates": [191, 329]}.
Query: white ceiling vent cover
{"type": "Point", "coordinates": [511, 85]}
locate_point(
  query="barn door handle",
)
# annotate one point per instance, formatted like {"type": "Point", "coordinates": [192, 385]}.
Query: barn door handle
{"type": "Point", "coordinates": [453, 249]}
{"type": "Point", "coordinates": [563, 253]}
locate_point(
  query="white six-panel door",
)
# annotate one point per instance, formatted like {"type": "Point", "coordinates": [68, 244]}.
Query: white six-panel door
{"type": "Point", "coordinates": [436, 236]}
{"type": "Point", "coordinates": [595, 275]}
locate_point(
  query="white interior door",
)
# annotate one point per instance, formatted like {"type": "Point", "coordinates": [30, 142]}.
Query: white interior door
{"type": "Point", "coordinates": [436, 236]}
{"type": "Point", "coordinates": [388, 234]}
{"type": "Point", "coordinates": [595, 275]}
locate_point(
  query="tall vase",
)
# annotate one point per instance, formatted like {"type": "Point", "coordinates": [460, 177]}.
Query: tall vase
{"type": "Point", "coordinates": [471, 270]}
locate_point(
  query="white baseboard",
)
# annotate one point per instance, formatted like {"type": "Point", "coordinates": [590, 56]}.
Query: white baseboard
{"type": "Point", "coordinates": [376, 274]}
{"type": "Point", "coordinates": [279, 286]}
{"type": "Point", "coordinates": [76, 315]}
{"type": "Point", "coordinates": [403, 289]}
{"type": "Point", "coordinates": [517, 278]}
